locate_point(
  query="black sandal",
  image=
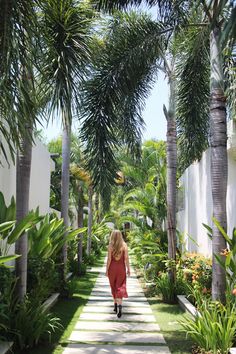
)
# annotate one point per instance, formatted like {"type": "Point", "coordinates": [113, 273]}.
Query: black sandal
{"type": "Point", "coordinates": [115, 308]}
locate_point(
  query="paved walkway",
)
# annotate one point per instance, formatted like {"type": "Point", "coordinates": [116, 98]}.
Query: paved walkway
{"type": "Point", "coordinates": [99, 331]}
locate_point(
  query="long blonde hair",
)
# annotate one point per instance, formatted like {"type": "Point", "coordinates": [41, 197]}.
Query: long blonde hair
{"type": "Point", "coordinates": [116, 242]}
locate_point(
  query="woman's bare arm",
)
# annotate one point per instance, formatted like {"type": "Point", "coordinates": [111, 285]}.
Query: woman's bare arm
{"type": "Point", "coordinates": [127, 260]}
{"type": "Point", "coordinates": [108, 259]}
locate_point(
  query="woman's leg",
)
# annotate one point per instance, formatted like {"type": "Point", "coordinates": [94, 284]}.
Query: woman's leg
{"type": "Point", "coordinates": [119, 302]}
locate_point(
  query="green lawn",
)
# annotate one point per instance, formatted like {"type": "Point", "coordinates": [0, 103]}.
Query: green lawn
{"type": "Point", "coordinates": [168, 317]}
{"type": "Point", "coordinates": [68, 310]}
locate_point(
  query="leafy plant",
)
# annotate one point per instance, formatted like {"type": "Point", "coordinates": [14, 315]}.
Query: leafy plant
{"type": "Point", "coordinates": [227, 258]}
{"type": "Point", "coordinates": [72, 287]}
{"type": "Point", "coordinates": [43, 278]}
{"type": "Point", "coordinates": [31, 323]}
{"type": "Point", "coordinates": [214, 329]}
{"type": "Point", "coordinates": [47, 238]}
{"type": "Point", "coordinates": [169, 290]}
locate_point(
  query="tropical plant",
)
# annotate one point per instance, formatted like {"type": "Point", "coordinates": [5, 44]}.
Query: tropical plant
{"type": "Point", "coordinates": [66, 34]}
{"type": "Point", "coordinates": [47, 238]}
{"type": "Point", "coordinates": [228, 254]}
{"type": "Point", "coordinates": [31, 323]}
{"type": "Point", "coordinates": [214, 327]}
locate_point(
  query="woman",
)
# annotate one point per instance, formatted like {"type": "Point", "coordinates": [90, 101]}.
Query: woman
{"type": "Point", "coordinates": [117, 263]}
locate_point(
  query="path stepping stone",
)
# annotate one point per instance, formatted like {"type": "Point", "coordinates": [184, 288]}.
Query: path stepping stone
{"type": "Point", "coordinates": [125, 309]}
{"type": "Point", "coordinates": [118, 337]}
{"type": "Point", "coordinates": [104, 298]}
{"type": "Point", "coordinates": [111, 317]}
{"type": "Point", "coordinates": [126, 303]}
{"type": "Point", "coordinates": [112, 349]}
{"type": "Point", "coordinates": [99, 331]}
{"type": "Point", "coordinates": [117, 326]}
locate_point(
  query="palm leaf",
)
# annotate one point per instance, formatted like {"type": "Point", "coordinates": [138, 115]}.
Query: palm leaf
{"type": "Point", "coordinates": [115, 96]}
{"type": "Point", "coordinates": [193, 95]}
{"type": "Point", "coordinates": [65, 26]}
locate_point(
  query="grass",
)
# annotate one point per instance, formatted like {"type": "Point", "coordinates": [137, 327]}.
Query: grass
{"type": "Point", "coordinates": [68, 310]}
{"type": "Point", "coordinates": [168, 318]}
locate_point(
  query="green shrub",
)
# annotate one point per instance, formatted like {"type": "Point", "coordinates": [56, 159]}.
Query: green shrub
{"type": "Point", "coordinates": [214, 329]}
{"type": "Point", "coordinates": [169, 290]}
{"type": "Point", "coordinates": [43, 278]}
{"type": "Point", "coordinates": [90, 259]}
{"type": "Point", "coordinates": [197, 270]}
{"type": "Point", "coordinates": [31, 323]}
{"type": "Point", "coordinates": [72, 287]}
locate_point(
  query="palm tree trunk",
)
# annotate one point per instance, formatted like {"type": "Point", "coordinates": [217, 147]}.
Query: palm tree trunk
{"type": "Point", "coordinates": [65, 179]}
{"type": "Point", "coordinates": [97, 211]}
{"type": "Point", "coordinates": [171, 146]}
{"type": "Point", "coordinates": [90, 219]}
{"type": "Point", "coordinates": [80, 225]}
{"type": "Point", "coordinates": [219, 163]}
{"type": "Point", "coordinates": [23, 168]}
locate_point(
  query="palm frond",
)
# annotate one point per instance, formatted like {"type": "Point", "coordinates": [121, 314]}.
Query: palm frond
{"type": "Point", "coordinates": [193, 95]}
{"type": "Point", "coordinates": [170, 12]}
{"type": "Point", "coordinates": [66, 31]}
{"type": "Point", "coordinates": [17, 56]}
{"type": "Point", "coordinates": [115, 96]}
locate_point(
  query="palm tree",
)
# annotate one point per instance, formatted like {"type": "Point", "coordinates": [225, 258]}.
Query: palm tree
{"type": "Point", "coordinates": [136, 48]}
{"type": "Point", "coordinates": [65, 25]}
{"type": "Point", "coordinates": [217, 36]}
{"type": "Point", "coordinates": [18, 106]}
{"type": "Point", "coordinates": [18, 23]}
{"type": "Point", "coordinates": [219, 18]}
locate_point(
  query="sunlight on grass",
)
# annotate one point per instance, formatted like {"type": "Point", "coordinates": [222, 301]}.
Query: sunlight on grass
{"type": "Point", "coordinates": [168, 318]}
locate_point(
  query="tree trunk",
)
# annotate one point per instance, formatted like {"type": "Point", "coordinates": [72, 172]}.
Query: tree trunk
{"type": "Point", "coordinates": [23, 168]}
{"type": "Point", "coordinates": [219, 163]}
{"type": "Point", "coordinates": [90, 219]}
{"type": "Point", "coordinates": [171, 146]}
{"type": "Point", "coordinates": [80, 225]}
{"type": "Point", "coordinates": [65, 179]}
{"type": "Point", "coordinates": [97, 211]}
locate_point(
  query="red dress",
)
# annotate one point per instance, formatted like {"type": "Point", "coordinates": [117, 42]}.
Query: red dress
{"type": "Point", "coordinates": [117, 277]}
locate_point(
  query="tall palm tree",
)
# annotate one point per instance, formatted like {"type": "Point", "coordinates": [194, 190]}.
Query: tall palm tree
{"type": "Point", "coordinates": [18, 106]}
{"type": "Point", "coordinates": [17, 27]}
{"type": "Point", "coordinates": [219, 18]}
{"type": "Point", "coordinates": [135, 50]}
{"type": "Point", "coordinates": [66, 28]}
{"type": "Point", "coordinates": [217, 35]}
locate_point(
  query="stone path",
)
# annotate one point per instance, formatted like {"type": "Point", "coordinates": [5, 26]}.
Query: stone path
{"type": "Point", "coordinates": [99, 331]}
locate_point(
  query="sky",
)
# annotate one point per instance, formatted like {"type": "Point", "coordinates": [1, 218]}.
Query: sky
{"type": "Point", "coordinates": [153, 113]}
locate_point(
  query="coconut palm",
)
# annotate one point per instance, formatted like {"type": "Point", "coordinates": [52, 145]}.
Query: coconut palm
{"type": "Point", "coordinates": [66, 34]}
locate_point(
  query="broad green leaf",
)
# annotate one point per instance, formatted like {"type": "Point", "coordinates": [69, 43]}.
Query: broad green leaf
{"type": "Point", "coordinates": [4, 259]}
{"type": "Point", "coordinates": [6, 226]}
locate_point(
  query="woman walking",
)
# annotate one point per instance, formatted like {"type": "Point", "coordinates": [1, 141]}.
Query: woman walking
{"type": "Point", "coordinates": [117, 264]}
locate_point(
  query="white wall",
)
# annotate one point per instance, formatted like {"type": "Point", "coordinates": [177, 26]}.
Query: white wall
{"type": "Point", "coordinates": [196, 183]}
{"type": "Point", "coordinates": [41, 168]}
